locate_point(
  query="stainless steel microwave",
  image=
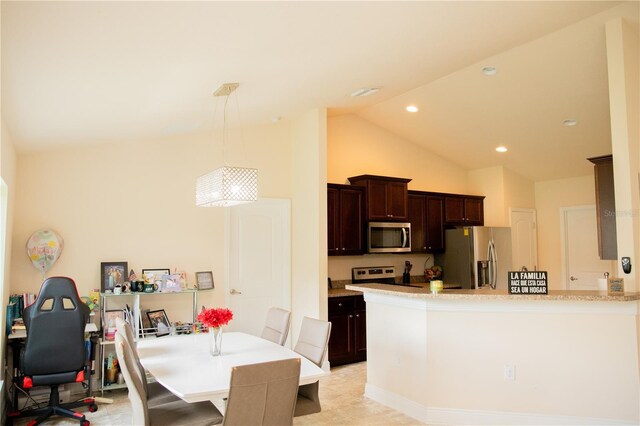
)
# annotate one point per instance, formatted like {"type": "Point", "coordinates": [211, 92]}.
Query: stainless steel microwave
{"type": "Point", "coordinates": [389, 237]}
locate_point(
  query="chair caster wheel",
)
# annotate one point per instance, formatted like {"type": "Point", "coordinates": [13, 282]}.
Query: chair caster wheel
{"type": "Point", "coordinates": [85, 423]}
{"type": "Point", "coordinates": [93, 408]}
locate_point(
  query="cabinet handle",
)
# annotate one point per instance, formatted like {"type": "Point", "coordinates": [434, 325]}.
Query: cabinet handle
{"type": "Point", "coordinates": [357, 315]}
{"type": "Point", "coordinates": [350, 316]}
{"type": "Point", "coordinates": [342, 248]}
{"type": "Point", "coordinates": [337, 248]}
{"type": "Point", "coordinates": [339, 304]}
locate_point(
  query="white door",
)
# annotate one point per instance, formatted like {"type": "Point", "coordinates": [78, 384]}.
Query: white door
{"type": "Point", "coordinates": [259, 262]}
{"type": "Point", "coordinates": [524, 240]}
{"type": "Point", "coordinates": [582, 265]}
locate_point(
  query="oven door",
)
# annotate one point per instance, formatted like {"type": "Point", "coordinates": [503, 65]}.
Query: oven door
{"type": "Point", "coordinates": [389, 237]}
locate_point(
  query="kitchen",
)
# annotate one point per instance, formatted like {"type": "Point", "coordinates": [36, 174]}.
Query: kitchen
{"type": "Point", "coordinates": [354, 147]}
{"type": "Point", "coordinates": [410, 368]}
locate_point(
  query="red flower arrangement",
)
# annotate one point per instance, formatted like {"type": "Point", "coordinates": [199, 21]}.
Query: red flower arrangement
{"type": "Point", "coordinates": [215, 317]}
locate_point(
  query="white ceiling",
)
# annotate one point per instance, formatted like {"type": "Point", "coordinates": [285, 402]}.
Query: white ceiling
{"type": "Point", "coordinates": [93, 72]}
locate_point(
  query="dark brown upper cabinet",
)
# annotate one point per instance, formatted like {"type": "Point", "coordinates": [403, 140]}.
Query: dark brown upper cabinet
{"type": "Point", "coordinates": [465, 210]}
{"type": "Point", "coordinates": [426, 215]}
{"type": "Point", "coordinates": [606, 207]}
{"type": "Point", "coordinates": [386, 198]}
{"type": "Point", "coordinates": [345, 222]}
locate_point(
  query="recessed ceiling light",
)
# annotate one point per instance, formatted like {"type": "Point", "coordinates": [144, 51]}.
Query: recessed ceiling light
{"type": "Point", "coordinates": [570, 122]}
{"type": "Point", "coordinates": [489, 70]}
{"type": "Point", "coordinates": [276, 119]}
{"type": "Point", "coordinates": [365, 91]}
{"type": "Point", "coordinates": [502, 149]}
{"type": "Point", "coordinates": [412, 108]}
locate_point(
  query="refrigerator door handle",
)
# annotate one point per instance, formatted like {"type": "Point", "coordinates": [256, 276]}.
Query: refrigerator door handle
{"type": "Point", "coordinates": [493, 266]}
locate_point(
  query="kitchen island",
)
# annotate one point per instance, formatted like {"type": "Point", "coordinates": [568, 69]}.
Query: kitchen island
{"type": "Point", "coordinates": [486, 357]}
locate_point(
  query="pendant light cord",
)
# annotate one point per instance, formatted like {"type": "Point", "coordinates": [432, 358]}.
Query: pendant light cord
{"type": "Point", "coordinates": [224, 130]}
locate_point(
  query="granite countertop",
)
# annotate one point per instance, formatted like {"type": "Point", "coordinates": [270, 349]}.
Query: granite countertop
{"type": "Point", "coordinates": [488, 294]}
{"type": "Point", "coordinates": [341, 292]}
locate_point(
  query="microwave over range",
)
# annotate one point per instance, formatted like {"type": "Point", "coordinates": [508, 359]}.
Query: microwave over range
{"type": "Point", "coordinates": [388, 237]}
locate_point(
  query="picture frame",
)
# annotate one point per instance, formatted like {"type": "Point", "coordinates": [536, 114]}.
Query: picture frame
{"type": "Point", "coordinates": [112, 273]}
{"type": "Point", "coordinates": [155, 273]}
{"type": "Point", "coordinates": [160, 322]}
{"type": "Point", "coordinates": [204, 280]}
{"type": "Point", "coordinates": [109, 322]}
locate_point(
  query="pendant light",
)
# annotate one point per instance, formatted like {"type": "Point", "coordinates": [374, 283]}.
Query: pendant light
{"type": "Point", "coordinates": [227, 185]}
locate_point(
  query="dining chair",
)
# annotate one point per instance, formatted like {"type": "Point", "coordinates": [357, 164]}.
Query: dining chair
{"type": "Point", "coordinates": [263, 394]}
{"type": "Point", "coordinates": [276, 327]}
{"type": "Point", "coordinates": [156, 393]}
{"type": "Point", "coordinates": [312, 344]}
{"type": "Point", "coordinates": [171, 413]}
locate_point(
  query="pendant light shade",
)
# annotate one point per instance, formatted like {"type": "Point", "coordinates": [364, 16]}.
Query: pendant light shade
{"type": "Point", "coordinates": [227, 185]}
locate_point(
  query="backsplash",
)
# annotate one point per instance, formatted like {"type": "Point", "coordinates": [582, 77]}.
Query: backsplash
{"type": "Point", "coordinates": [339, 267]}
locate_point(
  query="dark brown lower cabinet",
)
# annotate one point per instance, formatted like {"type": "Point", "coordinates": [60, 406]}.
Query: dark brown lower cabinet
{"type": "Point", "coordinates": [348, 341]}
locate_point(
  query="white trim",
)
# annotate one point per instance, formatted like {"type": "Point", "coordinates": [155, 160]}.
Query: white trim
{"type": "Point", "coordinates": [482, 304]}
{"type": "Point", "coordinates": [452, 416]}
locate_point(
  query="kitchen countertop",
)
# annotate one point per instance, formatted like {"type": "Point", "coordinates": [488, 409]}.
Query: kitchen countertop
{"type": "Point", "coordinates": [488, 294]}
{"type": "Point", "coordinates": [341, 292]}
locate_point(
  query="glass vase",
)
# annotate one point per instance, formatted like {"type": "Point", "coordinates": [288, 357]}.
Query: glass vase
{"type": "Point", "coordinates": [215, 344]}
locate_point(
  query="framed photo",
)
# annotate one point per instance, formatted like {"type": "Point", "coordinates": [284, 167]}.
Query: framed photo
{"type": "Point", "coordinates": [160, 322]}
{"type": "Point", "coordinates": [154, 275]}
{"type": "Point", "coordinates": [112, 273]}
{"type": "Point", "coordinates": [204, 280]}
{"type": "Point", "coordinates": [109, 323]}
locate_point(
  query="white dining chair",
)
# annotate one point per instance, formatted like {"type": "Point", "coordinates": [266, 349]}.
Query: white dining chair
{"type": "Point", "coordinates": [171, 413]}
{"type": "Point", "coordinates": [156, 393]}
{"type": "Point", "coordinates": [263, 394]}
{"type": "Point", "coordinates": [312, 344]}
{"type": "Point", "coordinates": [276, 327]}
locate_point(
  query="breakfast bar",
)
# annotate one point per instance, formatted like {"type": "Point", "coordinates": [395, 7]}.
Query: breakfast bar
{"type": "Point", "coordinates": [487, 357]}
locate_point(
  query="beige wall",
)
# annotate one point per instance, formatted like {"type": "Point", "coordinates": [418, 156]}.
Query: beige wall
{"type": "Point", "coordinates": [624, 89]}
{"type": "Point", "coordinates": [8, 174]}
{"type": "Point", "coordinates": [135, 202]}
{"type": "Point", "coordinates": [490, 183]}
{"type": "Point", "coordinates": [355, 147]}
{"type": "Point", "coordinates": [519, 192]}
{"type": "Point", "coordinates": [503, 190]}
{"type": "Point", "coordinates": [309, 218]}
{"type": "Point", "coordinates": [550, 197]}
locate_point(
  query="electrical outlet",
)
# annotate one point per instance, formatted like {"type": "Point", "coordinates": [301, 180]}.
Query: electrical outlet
{"type": "Point", "coordinates": [509, 372]}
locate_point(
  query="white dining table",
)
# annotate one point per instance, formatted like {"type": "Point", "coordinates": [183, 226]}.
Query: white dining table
{"type": "Point", "coordinates": [184, 365]}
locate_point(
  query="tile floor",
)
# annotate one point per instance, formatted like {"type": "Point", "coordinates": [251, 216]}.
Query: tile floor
{"type": "Point", "coordinates": [341, 393]}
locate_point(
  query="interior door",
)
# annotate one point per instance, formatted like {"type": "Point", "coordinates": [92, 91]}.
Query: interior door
{"type": "Point", "coordinates": [259, 262]}
{"type": "Point", "coordinates": [524, 239]}
{"type": "Point", "coordinates": [582, 264]}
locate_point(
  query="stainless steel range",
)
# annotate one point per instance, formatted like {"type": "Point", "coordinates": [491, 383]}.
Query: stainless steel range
{"type": "Point", "coordinates": [374, 274]}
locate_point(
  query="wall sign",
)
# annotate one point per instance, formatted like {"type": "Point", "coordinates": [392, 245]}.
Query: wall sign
{"type": "Point", "coordinates": [616, 285]}
{"type": "Point", "coordinates": [528, 282]}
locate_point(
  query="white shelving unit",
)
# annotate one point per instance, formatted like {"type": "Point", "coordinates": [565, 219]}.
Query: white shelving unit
{"type": "Point", "coordinates": [134, 298]}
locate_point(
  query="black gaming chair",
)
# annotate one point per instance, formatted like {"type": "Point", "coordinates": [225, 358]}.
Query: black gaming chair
{"type": "Point", "coordinates": [55, 351]}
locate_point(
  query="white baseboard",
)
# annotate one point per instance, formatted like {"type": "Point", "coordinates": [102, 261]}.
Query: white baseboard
{"type": "Point", "coordinates": [448, 416]}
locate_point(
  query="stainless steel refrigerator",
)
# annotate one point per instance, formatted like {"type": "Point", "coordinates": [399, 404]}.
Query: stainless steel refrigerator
{"type": "Point", "coordinates": [476, 257]}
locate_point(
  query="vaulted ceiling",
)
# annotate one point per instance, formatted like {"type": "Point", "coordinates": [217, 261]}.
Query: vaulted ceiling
{"type": "Point", "coordinates": [77, 73]}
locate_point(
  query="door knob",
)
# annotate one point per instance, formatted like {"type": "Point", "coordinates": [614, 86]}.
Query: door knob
{"type": "Point", "coordinates": [234, 291]}
{"type": "Point", "coordinates": [573, 278]}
